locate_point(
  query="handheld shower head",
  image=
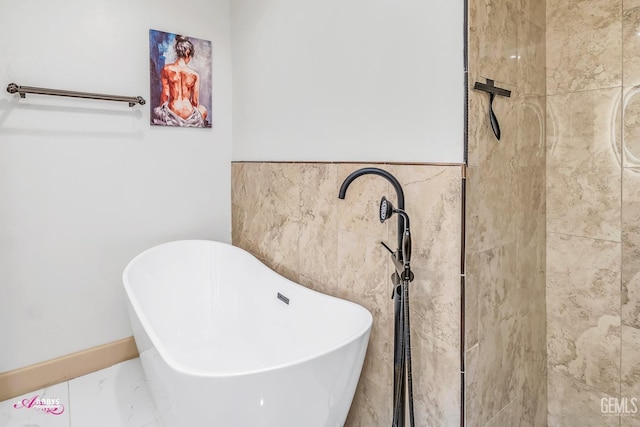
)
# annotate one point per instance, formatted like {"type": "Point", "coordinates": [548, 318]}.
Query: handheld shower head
{"type": "Point", "coordinates": [386, 209]}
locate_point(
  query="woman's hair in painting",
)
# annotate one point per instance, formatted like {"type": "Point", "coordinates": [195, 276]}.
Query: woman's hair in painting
{"type": "Point", "coordinates": [184, 47]}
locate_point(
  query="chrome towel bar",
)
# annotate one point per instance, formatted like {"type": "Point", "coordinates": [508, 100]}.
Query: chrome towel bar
{"type": "Point", "coordinates": [23, 90]}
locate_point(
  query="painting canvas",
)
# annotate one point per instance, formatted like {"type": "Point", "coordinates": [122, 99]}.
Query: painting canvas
{"type": "Point", "coordinates": [180, 68]}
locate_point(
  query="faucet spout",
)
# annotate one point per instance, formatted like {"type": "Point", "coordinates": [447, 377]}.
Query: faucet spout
{"type": "Point", "coordinates": [394, 182]}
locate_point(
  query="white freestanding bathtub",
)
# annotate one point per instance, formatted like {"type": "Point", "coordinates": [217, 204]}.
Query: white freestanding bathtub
{"type": "Point", "coordinates": [225, 341]}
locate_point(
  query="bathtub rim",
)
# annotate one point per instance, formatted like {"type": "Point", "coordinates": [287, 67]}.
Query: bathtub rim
{"type": "Point", "coordinates": [179, 367]}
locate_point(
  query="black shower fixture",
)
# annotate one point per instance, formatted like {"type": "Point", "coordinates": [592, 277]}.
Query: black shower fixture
{"type": "Point", "coordinates": [401, 278]}
{"type": "Point", "coordinates": [386, 209]}
{"type": "Point", "coordinates": [492, 90]}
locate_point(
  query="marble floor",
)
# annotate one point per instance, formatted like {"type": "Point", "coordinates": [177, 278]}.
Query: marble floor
{"type": "Point", "coordinates": [113, 397]}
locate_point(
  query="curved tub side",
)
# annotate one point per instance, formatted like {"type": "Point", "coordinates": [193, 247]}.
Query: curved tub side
{"type": "Point", "coordinates": [311, 391]}
{"type": "Point", "coordinates": [317, 393]}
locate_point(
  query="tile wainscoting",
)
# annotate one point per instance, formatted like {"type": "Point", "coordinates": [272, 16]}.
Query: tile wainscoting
{"type": "Point", "coordinates": [290, 217]}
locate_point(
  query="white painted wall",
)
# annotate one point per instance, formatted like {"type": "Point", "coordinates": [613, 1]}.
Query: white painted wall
{"type": "Point", "coordinates": [85, 185]}
{"type": "Point", "coordinates": [348, 80]}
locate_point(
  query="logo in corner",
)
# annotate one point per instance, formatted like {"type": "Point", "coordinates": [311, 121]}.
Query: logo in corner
{"type": "Point", "coordinates": [625, 406]}
{"type": "Point", "coordinates": [46, 405]}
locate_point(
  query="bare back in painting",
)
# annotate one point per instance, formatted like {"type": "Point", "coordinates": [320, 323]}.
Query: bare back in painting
{"type": "Point", "coordinates": [181, 88]}
{"type": "Point", "coordinates": [180, 96]}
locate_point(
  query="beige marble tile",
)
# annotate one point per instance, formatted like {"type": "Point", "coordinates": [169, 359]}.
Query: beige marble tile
{"type": "Point", "coordinates": [531, 58]}
{"type": "Point", "coordinates": [530, 186]}
{"type": "Point", "coordinates": [433, 201]}
{"type": "Point", "coordinates": [499, 295]}
{"type": "Point", "coordinates": [524, 218]}
{"type": "Point", "coordinates": [583, 171]}
{"type": "Point", "coordinates": [281, 210]}
{"type": "Point", "coordinates": [630, 368]}
{"type": "Point", "coordinates": [529, 407]}
{"type": "Point", "coordinates": [534, 342]}
{"type": "Point", "coordinates": [530, 147]}
{"type": "Point", "coordinates": [630, 47]}
{"type": "Point", "coordinates": [573, 404]}
{"type": "Point", "coordinates": [500, 330]}
{"type": "Point", "coordinates": [631, 127]}
{"type": "Point", "coordinates": [261, 223]}
{"type": "Point", "coordinates": [583, 310]}
{"type": "Point", "coordinates": [239, 202]}
{"type": "Point", "coordinates": [372, 401]}
{"type": "Point", "coordinates": [377, 369]}
{"type": "Point", "coordinates": [530, 269]}
{"type": "Point", "coordinates": [583, 45]}
{"type": "Point", "coordinates": [472, 283]}
{"type": "Point", "coordinates": [436, 383]}
{"type": "Point", "coordinates": [359, 211]}
{"type": "Point", "coordinates": [533, 368]}
{"type": "Point", "coordinates": [533, 11]}
{"type": "Point", "coordinates": [597, 355]}
{"type": "Point", "coordinates": [631, 297]}
{"type": "Point", "coordinates": [483, 147]}
{"type": "Point", "coordinates": [631, 420]}
{"type": "Point", "coordinates": [631, 248]}
{"type": "Point", "coordinates": [363, 277]}
{"type": "Point", "coordinates": [363, 272]}
{"type": "Point", "coordinates": [319, 223]}
{"type": "Point", "coordinates": [493, 40]}
{"type": "Point", "coordinates": [435, 307]}
{"type": "Point", "coordinates": [281, 269]}
{"type": "Point", "coordinates": [510, 415]}
{"type": "Point", "coordinates": [370, 407]}
{"type": "Point", "coordinates": [505, 218]}
{"type": "Point", "coordinates": [531, 232]}
{"type": "Point", "coordinates": [630, 4]}
{"type": "Point", "coordinates": [618, 132]}
{"type": "Point", "coordinates": [491, 208]}
{"type": "Point", "coordinates": [473, 387]}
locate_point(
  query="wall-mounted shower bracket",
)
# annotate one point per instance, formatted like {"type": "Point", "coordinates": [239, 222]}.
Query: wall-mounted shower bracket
{"type": "Point", "coordinates": [492, 90]}
{"type": "Point", "coordinates": [401, 272]}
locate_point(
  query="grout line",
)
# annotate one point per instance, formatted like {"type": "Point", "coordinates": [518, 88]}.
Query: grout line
{"type": "Point", "coordinates": [583, 237]}
{"type": "Point", "coordinates": [504, 408]}
{"type": "Point", "coordinates": [463, 290]}
{"type": "Point", "coordinates": [584, 91]}
{"type": "Point", "coordinates": [621, 218]}
{"type": "Point", "coordinates": [575, 381]}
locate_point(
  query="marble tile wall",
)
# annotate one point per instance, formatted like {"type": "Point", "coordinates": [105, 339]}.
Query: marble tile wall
{"type": "Point", "coordinates": [506, 220]}
{"type": "Point", "coordinates": [630, 290]}
{"type": "Point", "coordinates": [289, 216]}
{"type": "Point", "coordinates": [593, 209]}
